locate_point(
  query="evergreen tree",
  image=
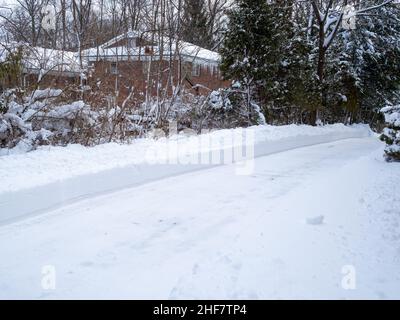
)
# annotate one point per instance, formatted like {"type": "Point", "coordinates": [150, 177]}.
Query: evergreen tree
{"type": "Point", "coordinates": [268, 53]}
{"type": "Point", "coordinates": [195, 24]}
{"type": "Point", "coordinates": [11, 69]}
{"type": "Point", "coordinates": [363, 69]}
{"type": "Point", "coordinates": [296, 87]}
{"type": "Point", "coordinates": [272, 49]}
{"type": "Point", "coordinates": [391, 134]}
{"type": "Point", "coordinates": [380, 74]}
{"type": "Point", "coordinates": [245, 50]}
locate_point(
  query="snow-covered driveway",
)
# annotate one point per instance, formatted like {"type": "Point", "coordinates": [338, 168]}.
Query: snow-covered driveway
{"type": "Point", "coordinates": [214, 234]}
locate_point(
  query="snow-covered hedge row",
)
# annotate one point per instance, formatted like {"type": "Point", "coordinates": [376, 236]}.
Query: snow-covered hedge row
{"type": "Point", "coordinates": [51, 117]}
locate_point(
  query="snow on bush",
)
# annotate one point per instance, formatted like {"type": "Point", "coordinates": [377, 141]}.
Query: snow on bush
{"type": "Point", "coordinates": [50, 116]}
{"type": "Point", "coordinates": [219, 100]}
{"type": "Point", "coordinates": [38, 119]}
{"type": "Point", "coordinates": [231, 107]}
{"type": "Point", "coordinates": [46, 93]}
{"type": "Point", "coordinates": [221, 109]}
{"type": "Point", "coordinates": [391, 134]}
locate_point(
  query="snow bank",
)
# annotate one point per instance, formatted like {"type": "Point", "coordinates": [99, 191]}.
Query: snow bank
{"type": "Point", "coordinates": [51, 176]}
{"type": "Point", "coordinates": [50, 164]}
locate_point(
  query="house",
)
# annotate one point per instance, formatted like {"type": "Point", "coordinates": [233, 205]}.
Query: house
{"type": "Point", "coordinates": [152, 65]}
{"type": "Point", "coordinates": [43, 67]}
{"type": "Point", "coordinates": [51, 68]}
{"type": "Point", "coordinates": [136, 64]}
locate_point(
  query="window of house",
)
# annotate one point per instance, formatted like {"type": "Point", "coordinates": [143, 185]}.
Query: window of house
{"type": "Point", "coordinates": [114, 68]}
{"type": "Point", "coordinates": [196, 70]}
{"type": "Point", "coordinates": [148, 50]}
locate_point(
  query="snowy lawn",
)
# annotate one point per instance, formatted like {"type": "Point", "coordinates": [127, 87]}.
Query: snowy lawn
{"type": "Point", "coordinates": [308, 223]}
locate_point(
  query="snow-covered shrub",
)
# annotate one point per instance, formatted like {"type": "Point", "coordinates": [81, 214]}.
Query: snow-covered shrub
{"type": "Point", "coordinates": [12, 126]}
{"type": "Point", "coordinates": [41, 117]}
{"type": "Point", "coordinates": [117, 121]}
{"type": "Point", "coordinates": [219, 100]}
{"type": "Point", "coordinates": [70, 123]}
{"type": "Point", "coordinates": [229, 108]}
{"type": "Point", "coordinates": [391, 134]}
{"type": "Point", "coordinates": [16, 132]}
{"type": "Point", "coordinates": [52, 116]}
{"type": "Point", "coordinates": [221, 109]}
{"type": "Point", "coordinates": [44, 94]}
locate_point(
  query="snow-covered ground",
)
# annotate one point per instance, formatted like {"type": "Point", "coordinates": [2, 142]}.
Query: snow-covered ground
{"type": "Point", "coordinates": [51, 164]}
{"type": "Point", "coordinates": [321, 221]}
{"type": "Point", "coordinates": [53, 176]}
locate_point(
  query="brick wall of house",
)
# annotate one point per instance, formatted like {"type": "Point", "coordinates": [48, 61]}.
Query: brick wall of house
{"type": "Point", "coordinates": [112, 77]}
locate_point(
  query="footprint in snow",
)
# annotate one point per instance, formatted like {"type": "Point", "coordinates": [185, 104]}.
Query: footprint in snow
{"type": "Point", "coordinates": [315, 221]}
{"type": "Point", "coordinates": [87, 264]}
{"type": "Point", "coordinates": [195, 269]}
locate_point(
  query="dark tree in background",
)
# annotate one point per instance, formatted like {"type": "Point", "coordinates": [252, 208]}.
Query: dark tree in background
{"type": "Point", "coordinates": [195, 25]}
{"type": "Point", "coordinates": [305, 67]}
{"type": "Point", "coordinates": [269, 55]}
{"type": "Point", "coordinates": [363, 68]}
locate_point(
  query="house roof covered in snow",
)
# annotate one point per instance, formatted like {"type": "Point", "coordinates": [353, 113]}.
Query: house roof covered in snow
{"type": "Point", "coordinates": [136, 45]}
{"type": "Point", "coordinates": [42, 60]}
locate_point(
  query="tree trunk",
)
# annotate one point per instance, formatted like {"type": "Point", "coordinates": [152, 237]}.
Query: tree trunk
{"type": "Point", "coordinates": [320, 73]}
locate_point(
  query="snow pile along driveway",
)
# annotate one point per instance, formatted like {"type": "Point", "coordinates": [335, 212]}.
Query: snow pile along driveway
{"type": "Point", "coordinates": [53, 176]}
